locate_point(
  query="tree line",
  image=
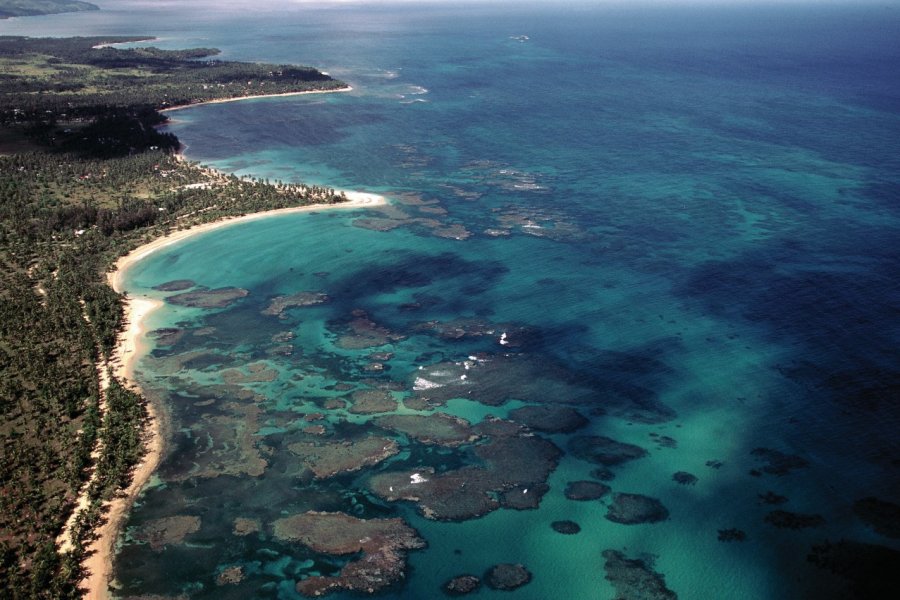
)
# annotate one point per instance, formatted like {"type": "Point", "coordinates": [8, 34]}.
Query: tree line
{"type": "Point", "coordinates": [66, 214]}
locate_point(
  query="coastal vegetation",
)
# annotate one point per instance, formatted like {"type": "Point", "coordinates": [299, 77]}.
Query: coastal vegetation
{"type": "Point", "coordinates": [86, 177]}
{"type": "Point", "coordinates": [31, 8]}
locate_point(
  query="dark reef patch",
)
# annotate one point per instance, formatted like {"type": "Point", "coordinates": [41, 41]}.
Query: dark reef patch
{"type": "Point", "coordinates": [329, 458]}
{"type": "Point", "coordinates": [634, 579]}
{"type": "Point", "coordinates": [732, 535]}
{"type": "Point", "coordinates": [367, 402]}
{"type": "Point", "coordinates": [493, 379]}
{"type": "Point", "coordinates": [361, 332]}
{"type": "Point", "coordinates": [207, 298]}
{"type": "Point", "coordinates": [405, 270]}
{"type": "Point", "coordinates": [664, 441]}
{"type": "Point", "coordinates": [684, 478]}
{"type": "Point", "coordinates": [549, 419]}
{"type": "Point", "coordinates": [789, 520]}
{"type": "Point", "coordinates": [381, 546]}
{"type": "Point", "coordinates": [279, 304]}
{"type": "Point", "coordinates": [461, 585]}
{"type": "Point", "coordinates": [512, 465]}
{"type": "Point", "coordinates": [603, 450]}
{"type": "Point", "coordinates": [524, 497]}
{"type": "Point", "coordinates": [585, 490]}
{"type": "Point", "coordinates": [603, 474]}
{"type": "Point", "coordinates": [880, 515]}
{"type": "Point", "coordinates": [167, 336]}
{"type": "Point", "coordinates": [634, 509]}
{"type": "Point", "coordinates": [507, 576]}
{"type": "Point", "coordinates": [566, 527]}
{"type": "Point", "coordinates": [771, 497]}
{"type": "Point", "coordinates": [778, 463]}
{"type": "Point", "coordinates": [437, 428]}
{"type": "Point", "coordinates": [176, 285]}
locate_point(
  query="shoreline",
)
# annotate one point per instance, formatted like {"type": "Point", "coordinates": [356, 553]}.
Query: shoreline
{"type": "Point", "coordinates": [348, 88]}
{"type": "Point", "coordinates": [129, 348]}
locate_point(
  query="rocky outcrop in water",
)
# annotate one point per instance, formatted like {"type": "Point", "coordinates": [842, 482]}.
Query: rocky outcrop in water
{"type": "Point", "coordinates": [565, 527]}
{"type": "Point", "coordinates": [507, 576]}
{"type": "Point", "coordinates": [461, 585]}
{"type": "Point", "coordinates": [329, 458]}
{"type": "Point", "coordinates": [603, 450]}
{"type": "Point", "coordinates": [550, 419]}
{"type": "Point", "coordinates": [634, 579]}
{"type": "Point", "coordinates": [513, 467]}
{"type": "Point", "coordinates": [585, 490]}
{"type": "Point", "coordinates": [382, 545]}
{"type": "Point", "coordinates": [633, 509]}
{"type": "Point", "coordinates": [206, 298]}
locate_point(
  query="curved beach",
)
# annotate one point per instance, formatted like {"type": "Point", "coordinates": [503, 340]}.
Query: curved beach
{"type": "Point", "coordinates": [257, 96]}
{"type": "Point", "coordinates": [130, 347]}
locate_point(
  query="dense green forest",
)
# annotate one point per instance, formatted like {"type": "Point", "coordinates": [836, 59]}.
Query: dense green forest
{"type": "Point", "coordinates": [30, 8]}
{"type": "Point", "coordinates": [91, 178]}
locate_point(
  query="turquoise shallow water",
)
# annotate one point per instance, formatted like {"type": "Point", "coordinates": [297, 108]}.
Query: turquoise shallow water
{"type": "Point", "coordinates": [685, 220]}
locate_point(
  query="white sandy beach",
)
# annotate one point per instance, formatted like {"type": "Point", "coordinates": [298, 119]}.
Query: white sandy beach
{"type": "Point", "coordinates": [129, 348]}
{"type": "Point", "coordinates": [241, 98]}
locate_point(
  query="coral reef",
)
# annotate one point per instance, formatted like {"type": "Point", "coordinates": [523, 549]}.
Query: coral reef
{"type": "Point", "coordinates": [603, 450]}
{"type": "Point", "coordinates": [329, 458]}
{"type": "Point", "coordinates": [566, 527]}
{"type": "Point", "coordinates": [550, 419]}
{"type": "Point", "coordinates": [777, 462]}
{"type": "Point", "coordinates": [462, 584]}
{"type": "Point", "coordinates": [684, 478]}
{"type": "Point", "coordinates": [513, 465]}
{"type": "Point", "coordinates": [635, 579]}
{"type": "Point", "coordinates": [507, 576]}
{"type": "Point", "coordinates": [279, 304]}
{"type": "Point", "coordinates": [585, 490]}
{"type": "Point", "coordinates": [206, 298]}
{"type": "Point", "coordinates": [789, 520]}
{"type": "Point", "coordinates": [361, 332]}
{"type": "Point", "coordinates": [176, 285]}
{"type": "Point", "coordinates": [381, 543]}
{"type": "Point", "coordinates": [437, 428]}
{"type": "Point", "coordinates": [633, 509]}
{"type": "Point", "coordinates": [160, 533]}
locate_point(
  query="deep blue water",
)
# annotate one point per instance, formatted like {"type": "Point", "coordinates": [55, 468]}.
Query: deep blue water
{"type": "Point", "coordinates": [688, 216]}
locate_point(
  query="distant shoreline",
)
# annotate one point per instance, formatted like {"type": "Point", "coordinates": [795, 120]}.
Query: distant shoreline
{"type": "Point", "coordinates": [348, 88]}
{"type": "Point", "coordinates": [130, 347]}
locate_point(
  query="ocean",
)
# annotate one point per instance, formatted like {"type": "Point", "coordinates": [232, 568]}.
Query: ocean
{"type": "Point", "coordinates": [645, 255]}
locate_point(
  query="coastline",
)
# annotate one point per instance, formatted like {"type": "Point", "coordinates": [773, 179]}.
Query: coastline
{"type": "Point", "coordinates": [348, 88]}
{"type": "Point", "coordinates": [128, 349]}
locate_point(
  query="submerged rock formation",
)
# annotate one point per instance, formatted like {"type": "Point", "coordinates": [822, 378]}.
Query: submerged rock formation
{"type": "Point", "coordinates": [507, 576]}
{"type": "Point", "coordinates": [634, 579]}
{"type": "Point", "coordinates": [603, 450]}
{"type": "Point", "coordinates": [633, 509]}
{"type": "Point", "coordinates": [206, 298]}
{"type": "Point", "coordinates": [381, 543]}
